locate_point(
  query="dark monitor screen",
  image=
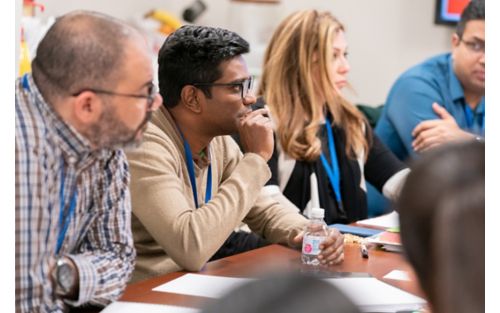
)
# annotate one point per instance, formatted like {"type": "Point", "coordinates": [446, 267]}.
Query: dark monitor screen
{"type": "Point", "coordinates": [449, 11]}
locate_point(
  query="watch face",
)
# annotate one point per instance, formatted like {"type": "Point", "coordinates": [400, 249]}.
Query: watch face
{"type": "Point", "coordinates": [65, 276]}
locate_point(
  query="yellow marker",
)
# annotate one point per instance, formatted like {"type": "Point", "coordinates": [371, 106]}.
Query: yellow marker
{"type": "Point", "coordinates": [24, 57]}
{"type": "Point", "coordinates": [168, 21]}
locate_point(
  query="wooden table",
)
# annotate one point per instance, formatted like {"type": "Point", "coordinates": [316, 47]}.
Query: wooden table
{"type": "Point", "coordinates": [271, 259]}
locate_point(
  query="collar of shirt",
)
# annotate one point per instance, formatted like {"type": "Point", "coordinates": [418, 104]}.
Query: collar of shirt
{"type": "Point", "coordinates": [202, 159]}
{"type": "Point", "coordinates": [75, 148]}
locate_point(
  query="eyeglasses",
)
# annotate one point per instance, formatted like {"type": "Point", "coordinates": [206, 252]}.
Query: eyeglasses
{"type": "Point", "coordinates": [474, 46]}
{"type": "Point", "coordinates": [244, 86]}
{"type": "Point", "coordinates": [152, 91]}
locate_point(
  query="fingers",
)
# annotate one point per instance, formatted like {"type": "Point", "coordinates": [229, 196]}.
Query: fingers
{"type": "Point", "coordinates": [257, 117]}
{"type": "Point", "coordinates": [256, 133]}
{"type": "Point", "coordinates": [252, 114]}
{"type": "Point", "coordinates": [297, 240]}
{"type": "Point", "coordinates": [425, 137]}
{"type": "Point", "coordinates": [332, 249]}
{"type": "Point", "coordinates": [425, 125]}
{"type": "Point", "coordinates": [425, 141]}
{"type": "Point", "coordinates": [441, 112]}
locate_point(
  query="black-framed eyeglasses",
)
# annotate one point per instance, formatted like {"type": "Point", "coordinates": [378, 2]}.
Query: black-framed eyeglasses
{"type": "Point", "coordinates": [152, 91]}
{"type": "Point", "coordinates": [245, 86]}
{"type": "Point", "coordinates": [474, 46]}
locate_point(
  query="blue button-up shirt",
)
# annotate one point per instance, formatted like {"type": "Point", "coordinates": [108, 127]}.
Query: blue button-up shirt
{"type": "Point", "coordinates": [410, 102]}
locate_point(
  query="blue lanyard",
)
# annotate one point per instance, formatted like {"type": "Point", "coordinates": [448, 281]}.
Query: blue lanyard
{"type": "Point", "coordinates": [64, 221]}
{"type": "Point", "coordinates": [332, 169]}
{"type": "Point", "coordinates": [190, 166]}
{"type": "Point", "coordinates": [26, 85]}
{"type": "Point", "coordinates": [469, 119]}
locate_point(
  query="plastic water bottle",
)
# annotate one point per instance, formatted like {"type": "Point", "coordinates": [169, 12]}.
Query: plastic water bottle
{"type": "Point", "coordinates": [316, 231]}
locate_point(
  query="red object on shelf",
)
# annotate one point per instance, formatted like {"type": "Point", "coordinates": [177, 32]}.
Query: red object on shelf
{"type": "Point", "coordinates": [29, 7]}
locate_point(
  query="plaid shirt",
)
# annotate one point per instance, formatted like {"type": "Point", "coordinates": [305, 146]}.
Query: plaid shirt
{"type": "Point", "coordinates": [98, 238]}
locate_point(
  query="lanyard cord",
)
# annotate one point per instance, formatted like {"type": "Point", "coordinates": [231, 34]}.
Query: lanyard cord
{"type": "Point", "coordinates": [469, 118]}
{"type": "Point", "coordinates": [190, 166]}
{"type": "Point", "coordinates": [64, 221]}
{"type": "Point", "coordinates": [332, 169]}
{"type": "Point", "coordinates": [26, 85]}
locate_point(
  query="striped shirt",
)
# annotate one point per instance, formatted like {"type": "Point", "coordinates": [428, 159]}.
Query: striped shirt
{"type": "Point", "coordinates": [52, 156]}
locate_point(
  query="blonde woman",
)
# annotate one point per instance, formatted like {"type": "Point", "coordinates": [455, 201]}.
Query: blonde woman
{"type": "Point", "coordinates": [317, 130]}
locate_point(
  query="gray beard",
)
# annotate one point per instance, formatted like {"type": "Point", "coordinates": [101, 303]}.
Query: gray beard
{"type": "Point", "coordinates": [111, 133]}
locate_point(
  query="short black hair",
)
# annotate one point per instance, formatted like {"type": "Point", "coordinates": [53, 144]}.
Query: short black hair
{"type": "Point", "coordinates": [473, 11]}
{"type": "Point", "coordinates": [82, 49]}
{"type": "Point", "coordinates": [192, 54]}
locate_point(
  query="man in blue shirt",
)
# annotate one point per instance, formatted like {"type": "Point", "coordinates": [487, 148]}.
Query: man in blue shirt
{"type": "Point", "coordinates": [441, 99]}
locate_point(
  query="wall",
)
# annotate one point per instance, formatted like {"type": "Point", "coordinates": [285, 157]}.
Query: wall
{"type": "Point", "coordinates": [385, 36]}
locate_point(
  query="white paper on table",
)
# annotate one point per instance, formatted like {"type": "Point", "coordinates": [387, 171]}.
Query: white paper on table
{"type": "Point", "coordinates": [398, 275]}
{"type": "Point", "coordinates": [373, 295]}
{"type": "Point", "coordinates": [386, 221]}
{"type": "Point", "coordinates": [202, 285]}
{"type": "Point", "coordinates": [134, 307]}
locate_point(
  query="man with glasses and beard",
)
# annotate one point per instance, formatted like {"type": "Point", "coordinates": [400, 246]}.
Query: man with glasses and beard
{"type": "Point", "coordinates": [191, 186]}
{"type": "Point", "coordinates": [442, 99]}
{"type": "Point", "coordinates": [90, 94]}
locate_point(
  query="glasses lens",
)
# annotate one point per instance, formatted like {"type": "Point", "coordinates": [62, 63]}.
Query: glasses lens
{"type": "Point", "coordinates": [152, 90]}
{"type": "Point", "coordinates": [474, 46]}
{"type": "Point", "coordinates": [247, 86]}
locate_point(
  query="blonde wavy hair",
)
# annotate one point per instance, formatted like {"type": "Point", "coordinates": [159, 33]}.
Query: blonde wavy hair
{"type": "Point", "coordinates": [302, 44]}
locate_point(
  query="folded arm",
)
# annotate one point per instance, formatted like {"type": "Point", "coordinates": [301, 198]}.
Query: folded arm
{"type": "Point", "coordinates": [163, 202]}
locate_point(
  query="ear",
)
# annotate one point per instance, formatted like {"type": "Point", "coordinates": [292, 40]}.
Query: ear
{"type": "Point", "coordinates": [87, 108]}
{"type": "Point", "coordinates": [455, 41]}
{"type": "Point", "coordinates": [191, 98]}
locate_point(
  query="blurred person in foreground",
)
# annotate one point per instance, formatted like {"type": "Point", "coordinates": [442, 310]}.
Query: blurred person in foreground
{"type": "Point", "coordinates": [442, 226]}
{"type": "Point", "coordinates": [285, 293]}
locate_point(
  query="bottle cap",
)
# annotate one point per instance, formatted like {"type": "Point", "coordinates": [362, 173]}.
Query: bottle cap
{"type": "Point", "coordinates": [317, 213]}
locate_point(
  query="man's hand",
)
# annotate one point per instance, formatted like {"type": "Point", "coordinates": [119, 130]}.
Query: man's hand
{"type": "Point", "coordinates": [429, 134]}
{"type": "Point", "coordinates": [256, 133]}
{"type": "Point", "coordinates": [332, 248]}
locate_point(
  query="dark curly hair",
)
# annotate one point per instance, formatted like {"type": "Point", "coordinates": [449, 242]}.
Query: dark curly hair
{"type": "Point", "coordinates": [192, 54]}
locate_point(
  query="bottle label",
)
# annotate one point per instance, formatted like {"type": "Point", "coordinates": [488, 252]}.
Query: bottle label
{"type": "Point", "coordinates": [310, 244]}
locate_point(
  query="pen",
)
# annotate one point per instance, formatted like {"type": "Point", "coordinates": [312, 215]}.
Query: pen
{"type": "Point", "coordinates": [364, 250]}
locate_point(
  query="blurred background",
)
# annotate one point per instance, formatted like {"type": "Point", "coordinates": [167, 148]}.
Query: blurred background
{"type": "Point", "coordinates": [385, 37]}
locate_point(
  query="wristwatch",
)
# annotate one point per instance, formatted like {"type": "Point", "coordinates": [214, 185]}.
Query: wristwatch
{"type": "Point", "coordinates": [64, 275]}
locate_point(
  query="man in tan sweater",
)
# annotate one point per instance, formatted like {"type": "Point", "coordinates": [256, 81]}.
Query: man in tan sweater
{"type": "Point", "coordinates": [190, 184]}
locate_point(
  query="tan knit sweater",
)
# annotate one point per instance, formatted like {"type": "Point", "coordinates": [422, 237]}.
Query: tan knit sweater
{"type": "Point", "coordinates": [169, 232]}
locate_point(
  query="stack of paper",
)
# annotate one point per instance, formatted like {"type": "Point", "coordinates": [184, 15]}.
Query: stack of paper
{"type": "Point", "coordinates": [390, 220]}
{"type": "Point", "coordinates": [389, 241]}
